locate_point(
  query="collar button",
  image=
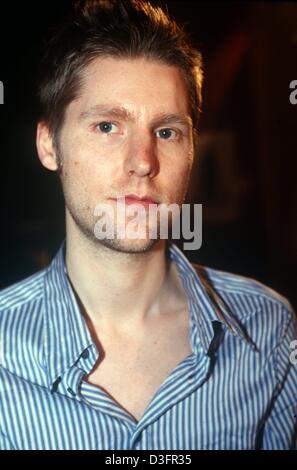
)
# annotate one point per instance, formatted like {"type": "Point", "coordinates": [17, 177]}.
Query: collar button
{"type": "Point", "coordinates": [71, 391]}
{"type": "Point", "coordinates": [85, 354]}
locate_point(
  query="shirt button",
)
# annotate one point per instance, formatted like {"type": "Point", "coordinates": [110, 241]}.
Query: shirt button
{"type": "Point", "coordinates": [85, 354]}
{"type": "Point", "coordinates": [71, 391]}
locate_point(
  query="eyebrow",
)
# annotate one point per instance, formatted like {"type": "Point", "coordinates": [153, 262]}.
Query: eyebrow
{"type": "Point", "coordinates": [120, 112]}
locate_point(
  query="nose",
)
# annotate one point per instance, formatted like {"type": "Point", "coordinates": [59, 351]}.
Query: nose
{"type": "Point", "coordinates": [142, 159]}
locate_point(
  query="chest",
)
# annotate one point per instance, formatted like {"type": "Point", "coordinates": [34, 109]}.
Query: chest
{"type": "Point", "coordinates": [132, 372]}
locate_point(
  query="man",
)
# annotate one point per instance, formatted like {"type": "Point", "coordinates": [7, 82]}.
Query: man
{"type": "Point", "coordinates": [120, 343]}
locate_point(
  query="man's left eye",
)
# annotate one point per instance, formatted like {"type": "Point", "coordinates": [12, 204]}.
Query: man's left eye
{"type": "Point", "coordinates": [167, 134]}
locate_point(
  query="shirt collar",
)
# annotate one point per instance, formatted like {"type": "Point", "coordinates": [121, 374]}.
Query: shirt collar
{"type": "Point", "coordinates": [67, 335]}
{"type": "Point", "coordinates": [207, 307]}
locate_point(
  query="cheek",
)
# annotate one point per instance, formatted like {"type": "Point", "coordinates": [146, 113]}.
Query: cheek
{"type": "Point", "coordinates": [177, 173]}
{"type": "Point", "coordinates": [178, 159]}
{"type": "Point", "coordinates": [83, 155]}
{"type": "Point", "coordinates": [84, 167]}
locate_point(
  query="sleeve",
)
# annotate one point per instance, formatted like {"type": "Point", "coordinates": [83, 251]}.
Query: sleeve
{"type": "Point", "coordinates": [280, 430]}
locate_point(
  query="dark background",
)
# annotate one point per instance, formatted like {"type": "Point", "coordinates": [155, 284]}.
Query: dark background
{"type": "Point", "coordinates": [245, 171]}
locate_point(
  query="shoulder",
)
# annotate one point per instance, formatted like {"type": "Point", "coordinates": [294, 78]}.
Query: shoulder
{"type": "Point", "coordinates": [235, 287]}
{"type": "Point", "coordinates": [21, 297]}
{"type": "Point", "coordinates": [251, 302]}
{"type": "Point", "coordinates": [21, 326]}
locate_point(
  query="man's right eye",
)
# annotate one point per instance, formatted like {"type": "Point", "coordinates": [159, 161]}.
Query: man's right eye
{"type": "Point", "coordinates": [106, 127]}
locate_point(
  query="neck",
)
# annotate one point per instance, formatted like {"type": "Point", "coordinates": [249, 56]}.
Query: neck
{"type": "Point", "coordinates": [117, 288]}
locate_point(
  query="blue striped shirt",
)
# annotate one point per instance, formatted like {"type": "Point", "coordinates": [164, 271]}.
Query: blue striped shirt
{"type": "Point", "coordinates": [237, 390]}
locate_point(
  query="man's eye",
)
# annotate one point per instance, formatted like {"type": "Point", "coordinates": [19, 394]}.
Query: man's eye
{"type": "Point", "coordinates": [106, 127]}
{"type": "Point", "coordinates": [167, 134]}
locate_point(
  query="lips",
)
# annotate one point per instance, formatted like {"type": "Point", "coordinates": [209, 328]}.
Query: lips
{"type": "Point", "coordinates": [134, 199]}
{"type": "Point", "coordinates": [147, 199]}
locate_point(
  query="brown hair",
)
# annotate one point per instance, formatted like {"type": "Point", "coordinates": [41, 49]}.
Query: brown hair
{"type": "Point", "coordinates": [117, 28]}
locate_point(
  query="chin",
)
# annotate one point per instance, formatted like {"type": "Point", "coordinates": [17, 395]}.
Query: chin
{"type": "Point", "coordinates": [129, 246]}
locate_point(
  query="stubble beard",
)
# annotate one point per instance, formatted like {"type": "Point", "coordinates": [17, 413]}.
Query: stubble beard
{"type": "Point", "coordinates": [84, 221]}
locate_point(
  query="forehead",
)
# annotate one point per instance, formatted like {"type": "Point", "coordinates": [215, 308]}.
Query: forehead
{"type": "Point", "coordinates": [145, 87]}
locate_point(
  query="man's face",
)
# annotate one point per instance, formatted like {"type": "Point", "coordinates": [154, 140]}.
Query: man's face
{"type": "Point", "coordinates": [128, 132]}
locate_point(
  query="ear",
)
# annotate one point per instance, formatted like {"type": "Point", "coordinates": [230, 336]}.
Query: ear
{"type": "Point", "coordinates": [45, 147]}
